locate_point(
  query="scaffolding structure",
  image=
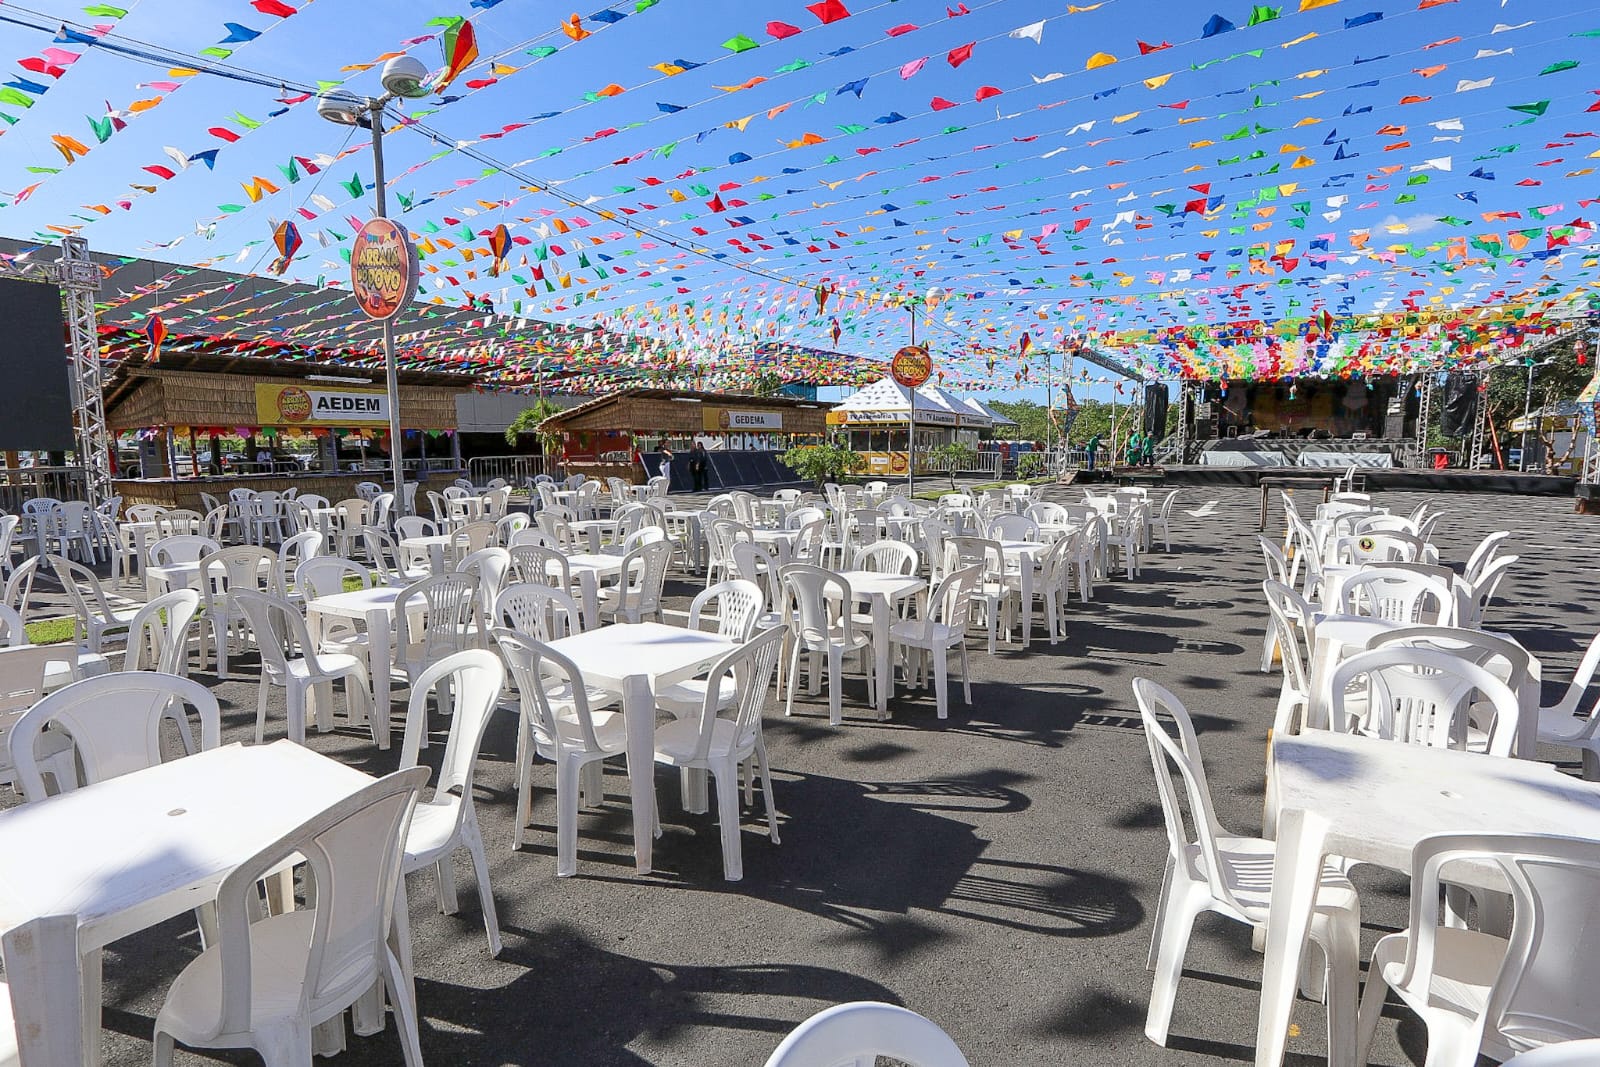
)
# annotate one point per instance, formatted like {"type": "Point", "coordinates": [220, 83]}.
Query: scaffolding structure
{"type": "Point", "coordinates": [78, 279]}
{"type": "Point", "coordinates": [1425, 385]}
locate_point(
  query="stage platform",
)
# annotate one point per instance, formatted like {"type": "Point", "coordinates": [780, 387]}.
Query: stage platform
{"type": "Point", "coordinates": [1377, 479]}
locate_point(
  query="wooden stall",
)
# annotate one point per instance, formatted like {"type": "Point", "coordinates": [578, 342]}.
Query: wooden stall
{"type": "Point", "coordinates": [621, 434]}
{"type": "Point", "coordinates": [181, 409]}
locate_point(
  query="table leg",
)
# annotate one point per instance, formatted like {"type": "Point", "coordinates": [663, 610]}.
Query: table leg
{"type": "Point", "coordinates": [1319, 699]}
{"type": "Point", "coordinates": [880, 652]}
{"type": "Point", "coordinates": [639, 717]}
{"type": "Point", "coordinates": [1296, 877]}
{"type": "Point", "coordinates": [382, 650]}
{"type": "Point", "coordinates": [589, 593]}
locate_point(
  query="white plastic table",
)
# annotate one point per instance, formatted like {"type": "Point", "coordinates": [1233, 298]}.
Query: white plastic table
{"type": "Point", "coordinates": [431, 547]}
{"type": "Point", "coordinates": [1341, 636]}
{"type": "Point", "coordinates": [593, 530]}
{"type": "Point", "coordinates": [777, 541]}
{"type": "Point", "coordinates": [375, 608]}
{"type": "Point", "coordinates": [151, 845]}
{"type": "Point", "coordinates": [690, 526]}
{"type": "Point", "coordinates": [1372, 801]}
{"type": "Point", "coordinates": [882, 593]}
{"type": "Point", "coordinates": [587, 570]}
{"type": "Point", "coordinates": [636, 659]}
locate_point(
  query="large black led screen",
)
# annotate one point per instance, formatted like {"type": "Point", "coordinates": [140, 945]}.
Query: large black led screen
{"type": "Point", "coordinates": [35, 405]}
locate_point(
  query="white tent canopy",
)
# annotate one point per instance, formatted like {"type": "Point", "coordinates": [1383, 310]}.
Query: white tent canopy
{"type": "Point", "coordinates": [886, 400]}
{"type": "Point", "coordinates": [994, 417]}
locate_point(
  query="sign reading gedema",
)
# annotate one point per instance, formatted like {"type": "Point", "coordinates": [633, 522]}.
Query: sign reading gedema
{"type": "Point", "coordinates": [742, 421]}
{"type": "Point", "coordinates": [295, 405]}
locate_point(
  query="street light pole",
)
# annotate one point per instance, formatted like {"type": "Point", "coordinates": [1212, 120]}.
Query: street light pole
{"type": "Point", "coordinates": [911, 418]}
{"type": "Point", "coordinates": [397, 472]}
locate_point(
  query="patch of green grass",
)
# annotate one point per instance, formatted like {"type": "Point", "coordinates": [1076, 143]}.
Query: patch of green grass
{"type": "Point", "coordinates": [53, 631]}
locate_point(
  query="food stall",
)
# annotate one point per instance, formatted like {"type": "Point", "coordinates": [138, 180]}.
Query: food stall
{"type": "Point", "coordinates": [621, 434]}
{"type": "Point", "coordinates": [877, 421]}
{"type": "Point", "coordinates": [201, 423]}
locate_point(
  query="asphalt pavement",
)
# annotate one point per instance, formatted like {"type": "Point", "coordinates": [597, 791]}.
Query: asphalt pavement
{"type": "Point", "coordinates": [996, 871]}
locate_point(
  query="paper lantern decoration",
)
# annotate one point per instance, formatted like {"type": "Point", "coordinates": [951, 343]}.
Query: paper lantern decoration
{"type": "Point", "coordinates": [499, 244]}
{"type": "Point", "coordinates": [287, 240]}
{"type": "Point", "coordinates": [155, 331]}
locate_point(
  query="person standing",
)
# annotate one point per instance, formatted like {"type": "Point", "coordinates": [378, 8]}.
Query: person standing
{"type": "Point", "coordinates": [1148, 458]}
{"type": "Point", "coordinates": [666, 464]}
{"type": "Point", "coordinates": [699, 462]}
{"type": "Point", "coordinates": [1092, 449]}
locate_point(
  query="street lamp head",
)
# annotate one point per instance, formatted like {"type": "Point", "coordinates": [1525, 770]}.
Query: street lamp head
{"type": "Point", "coordinates": [935, 294]}
{"type": "Point", "coordinates": [405, 76]}
{"type": "Point", "coordinates": [346, 109]}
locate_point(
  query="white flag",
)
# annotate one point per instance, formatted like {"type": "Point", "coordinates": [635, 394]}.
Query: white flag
{"type": "Point", "coordinates": [1465, 86]}
{"type": "Point", "coordinates": [1029, 33]}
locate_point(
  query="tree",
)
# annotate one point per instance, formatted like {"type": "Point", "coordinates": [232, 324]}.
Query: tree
{"type": "Point", "coordinates": [819, 463]}
{"type": "Point", "coordinates": [956, 455]}
{"type": "Point", "coordinates": [1561, 379]}
{"type": "Point", "coordinates": [528, 422]}
{"type": "Point", "coordinates": [1033, 422]}
{"type": "Point", "coordinates": [767, 383]}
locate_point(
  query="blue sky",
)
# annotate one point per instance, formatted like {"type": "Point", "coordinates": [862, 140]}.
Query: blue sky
{"type": "Point", "coordinates": [1030, 157]}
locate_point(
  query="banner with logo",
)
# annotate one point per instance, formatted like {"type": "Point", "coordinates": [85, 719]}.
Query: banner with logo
{"type": "Point", "coordinates": [296, 405]}
{"type": "Point", "coordinates": [741, 421]}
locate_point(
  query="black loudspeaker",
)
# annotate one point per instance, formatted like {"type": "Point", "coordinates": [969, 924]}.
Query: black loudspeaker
{"type": "Point", "coordinates": [1155, 410]}
{"type": "Point", "coordinates": [36, 403]}
{"type": "Point", "coordinates": [1394, 416]}
{"type": "Point", "coordinates": [1459, 407]}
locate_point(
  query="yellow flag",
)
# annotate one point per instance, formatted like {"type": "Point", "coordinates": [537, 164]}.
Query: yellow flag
{"type": "Point", "coordinates": [1100, 59]}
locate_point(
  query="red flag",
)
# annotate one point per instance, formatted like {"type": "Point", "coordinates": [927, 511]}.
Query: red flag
{"type": "Point", "coordinates": [828, 10]}
{"type": "Point", "coordinates": [960, 55]}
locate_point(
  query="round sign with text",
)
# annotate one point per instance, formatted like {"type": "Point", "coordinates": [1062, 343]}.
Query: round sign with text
{"type": "Point", "coordinates": [912, 366]}
{"type": "Point", "coordinates": [294, 404]}
{"type": "Point", "coordinates": [383, 268]}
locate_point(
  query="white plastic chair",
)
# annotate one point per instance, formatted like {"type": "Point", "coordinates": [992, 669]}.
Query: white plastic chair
{"type": "Point", "coordinates": [436, 617]}
{"type": "Point", "coordinates": [281, 632]}
{"type": "Point", "coordinates": [1481, 592]}
{"type": "Point", "coordinates": [24, 672]}
{"type": "Point", "coordinates": [709, 742]}
{"type": "Point", "coordinates": [638, 589]}
{"type": "Point", "coordinates": [322, 576]}
{"type": "Point", "coordinates": [266, 983]}
{"type": "Point", "coordinates": [1561, 724]}
{"type": "Point", "coordinates": [886, 557]}
{"type": "Point", "coordinates": [1398, 596]}
{"type": "Point", "coordinates": [158, 636]}
{"type": "Point", "coordinates": [181, 548]}
{"type": "Point", "coordinates": [1232, 876]}
{"type": "Point", "coordinates": [753, 563]}
{"type": "Point", "coordinates": [1290, 615]}
{"type": "Point", "coordinates": [1584, 1053]}
{"type": "Point", "coordinates": [817, 609]}
{"type": "Point", "coordinates": [560, 724]}
{"type": "Point", "coordinates": [237, 569]}
{"type": "Point", "coordinates": [1012, 528]}
{"type": "Point", "coordinates": [295, 550]}
{"type": "Point", "coordinates": [1160, 520]}
{"type": "Point", "coordinates": [1478, 993]}
{"type": "Point", "coordinates": [491, 565]}
{"type": "Point", "coordinates": [115, 725]}
{"type": "Point", "coordinates": [738, 610]}
{"type": "Point", "coordinates": [942, 628]}
{"type": "Point", "coordinates": [40, 1018]}
{"type": "Point", "coordinates": [1488, 549]}
{"type": "Point", "coordinates": [97, 617]}
{"type": "Point", "coordinates": [536, 610]}
{"type": "Point", "coordinates": [386, 560]}
{"type": "Point", "coordinates": [856, 1035]}
{"type": "Point", "coordinates": [448, 822]}
{"type": "Point", "coordinates": [1421, 696]}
